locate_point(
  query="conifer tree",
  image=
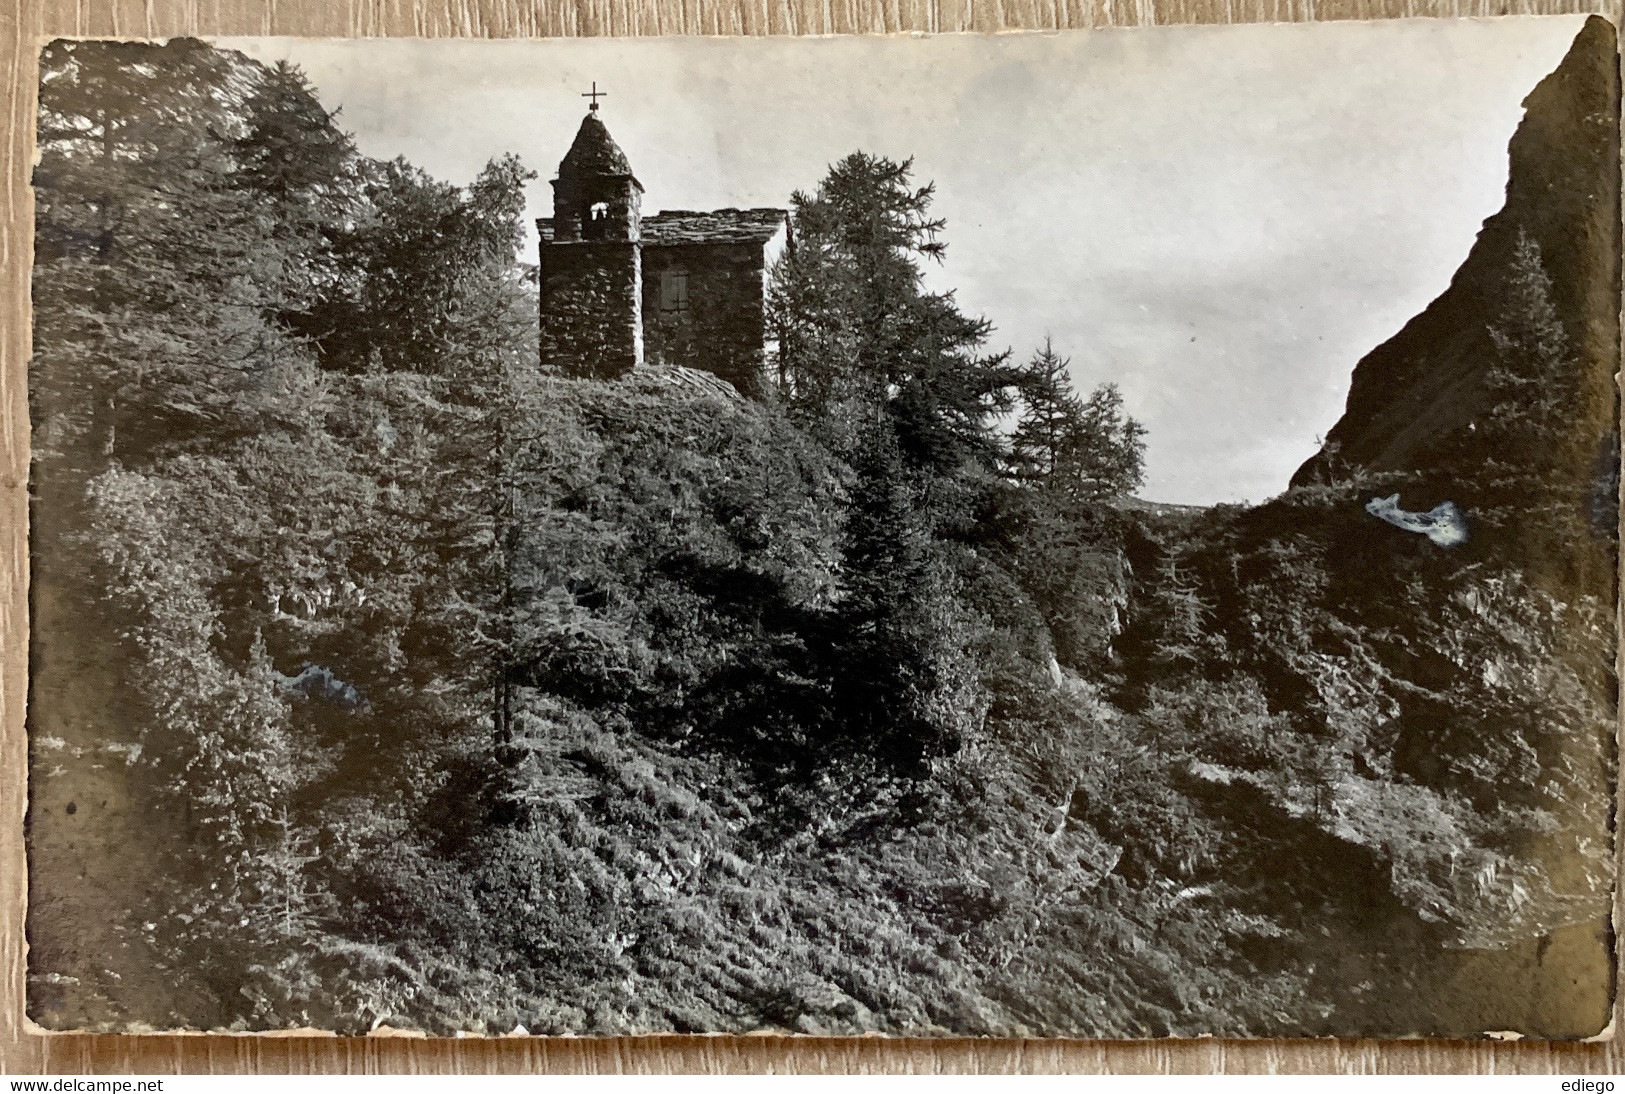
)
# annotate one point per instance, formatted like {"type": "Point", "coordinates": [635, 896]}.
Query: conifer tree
{"type": "Point", "coordinates": [1050, 415]}
{"type": "Point", "coordinates": [1104, 454]}
{"type": "Point", "coordinates": [1532, 380]}
{"type": "Point", "coordinates": [1084, 449]}
{"type": "Point", "coordinates": [241, 504]}
{"type": "Point", "coordinates": [895, 380]}
{"type": "Point", "coordinates": [856, 325]}
{"type": "Point", "coordinates": [897, 644]}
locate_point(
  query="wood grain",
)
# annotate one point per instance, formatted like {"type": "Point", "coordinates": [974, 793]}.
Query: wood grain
{"type": "Point", "coordinates": [24, 22]}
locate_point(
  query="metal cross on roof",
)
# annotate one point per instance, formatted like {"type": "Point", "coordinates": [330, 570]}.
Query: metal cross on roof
{"type": "Point", "coordinates": [594, 95]}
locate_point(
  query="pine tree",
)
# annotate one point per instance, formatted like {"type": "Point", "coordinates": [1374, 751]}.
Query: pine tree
{"type": "Point", "coordinates": [1084, 449]}
{"type": "Point", "coordinates": [164, 265]}
{"type": "Point", "coordinates": [290, 148]}
{"type": "Point", "coordinates": [429, 279]}
{"type": "Point", "coordinates": [1177, 604]}
{"type": "Point", "coordinates": [238, 502]}
{"type": "Point", "coordinates": [1104, 452]}
{"type": "Point", "coordinates": [857, 327]}
{"type": "Point", "coordinates": [1050, 416]}
{"type": "Point", "coordinates": [898, 664]}
{"type": "Point", "coordinates": [1532, 380]}
{"type": "Point", "coordinates": [895, 381]}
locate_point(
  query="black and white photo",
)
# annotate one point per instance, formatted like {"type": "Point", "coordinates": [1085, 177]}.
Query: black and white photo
{"type": "Point", "coordinates": [1099, 534]}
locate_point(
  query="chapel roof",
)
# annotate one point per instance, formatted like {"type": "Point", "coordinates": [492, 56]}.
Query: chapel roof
{"type": "Point", "coordinates": [594, 151]}
{"type": "Point", "coordinates": [676, 227]}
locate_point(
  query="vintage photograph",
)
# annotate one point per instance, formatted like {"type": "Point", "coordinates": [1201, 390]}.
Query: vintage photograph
{"type": "Point", "coordinates": [1098, 534]}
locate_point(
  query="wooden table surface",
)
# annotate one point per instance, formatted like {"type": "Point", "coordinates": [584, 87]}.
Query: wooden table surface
{"type": "Point", "coordinates": [27, 21]}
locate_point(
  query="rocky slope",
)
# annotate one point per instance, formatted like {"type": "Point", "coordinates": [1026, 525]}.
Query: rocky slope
{"type": "Point", "coordinates": [1413, 397]}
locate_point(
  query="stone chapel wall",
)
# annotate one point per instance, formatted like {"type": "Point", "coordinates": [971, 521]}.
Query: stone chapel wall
{"type": "Point", "coordinates": [721, 330]}
{"type": "Point", "coordinates": [591, 309]}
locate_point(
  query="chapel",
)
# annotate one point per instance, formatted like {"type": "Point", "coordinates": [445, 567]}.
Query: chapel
{"type": "Point", "coordinates": [676, 291]}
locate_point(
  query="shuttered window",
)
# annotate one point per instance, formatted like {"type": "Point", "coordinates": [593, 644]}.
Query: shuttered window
{"type": "Point", "coordinates": [673, 290]}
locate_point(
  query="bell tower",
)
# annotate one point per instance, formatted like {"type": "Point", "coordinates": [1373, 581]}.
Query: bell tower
{"type": "Point", "coordinates": [590, 260]}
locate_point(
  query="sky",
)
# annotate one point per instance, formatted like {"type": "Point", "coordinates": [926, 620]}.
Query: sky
{"type": "Point", "coordinates": [1220, 220]}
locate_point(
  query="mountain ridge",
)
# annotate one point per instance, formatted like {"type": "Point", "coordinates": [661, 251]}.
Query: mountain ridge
{"type": "Point", "coordinates": [1413, 397]}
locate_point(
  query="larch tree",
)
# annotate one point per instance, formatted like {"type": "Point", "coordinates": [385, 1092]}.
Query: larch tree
{"type": "Point", "coordinates": [856, 324]}
{"type": "Point", "coordinates": [1050, 413]}
{"type": "Point", "coordinates": [1087, 449]}
{"type": "Point", "coordinates": [1532, 380]}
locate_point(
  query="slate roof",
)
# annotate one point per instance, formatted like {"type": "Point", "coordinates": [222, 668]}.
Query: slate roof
{"type": "Point", "coordinates": [594, 151]}
{"type": "Point", "coordinates": [678, 226]}
{"type": "Point", "coordinates": [675, 227]}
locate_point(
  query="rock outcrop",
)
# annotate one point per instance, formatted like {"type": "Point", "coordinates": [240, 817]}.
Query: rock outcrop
{"type": "Point", "coordinates": [1413, 397]}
